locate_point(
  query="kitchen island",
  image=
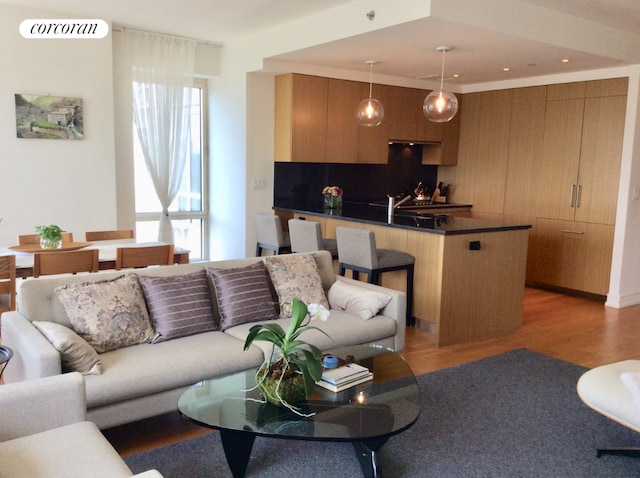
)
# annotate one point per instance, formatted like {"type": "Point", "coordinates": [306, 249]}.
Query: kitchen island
{"type": "Point", "coordinates": [469, 272]}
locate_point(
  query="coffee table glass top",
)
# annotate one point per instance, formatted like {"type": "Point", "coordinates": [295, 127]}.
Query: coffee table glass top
{"type": "Point", "coordinates": [376, 409]}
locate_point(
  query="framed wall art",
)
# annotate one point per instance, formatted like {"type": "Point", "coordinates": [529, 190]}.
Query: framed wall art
{"type": "Point", "coordinates": [48, 117]}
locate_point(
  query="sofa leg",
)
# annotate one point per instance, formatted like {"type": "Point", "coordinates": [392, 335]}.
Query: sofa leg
{"type": "Point", "coordinates": [620, 451]}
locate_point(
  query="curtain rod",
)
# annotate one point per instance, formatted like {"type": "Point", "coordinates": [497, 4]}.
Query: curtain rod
{"type": "Point", "coordinates": [119, 28]}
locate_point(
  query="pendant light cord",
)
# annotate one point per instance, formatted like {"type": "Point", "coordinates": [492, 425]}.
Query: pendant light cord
{"type": "Point", "coordinates": [370, 79]}
{"type": "Point", "coordinates": [442, 73]}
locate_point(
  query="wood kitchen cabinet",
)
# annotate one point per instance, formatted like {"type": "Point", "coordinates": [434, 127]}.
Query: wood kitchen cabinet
{"type": "Point", "coordinates": [582, 149]}
{"type": "Point", "coordinates": [315, 121]}
{"type": "Point", "coordinates": [573, 255]}
{"type": "Point", "coordinates": [578, 187]}
{"type": "Point", "coordinates": [480, 175]}
{"type": "Point", "coordinates": [301, 118]}
{"type": "Point", "coordinates": [342, 128]}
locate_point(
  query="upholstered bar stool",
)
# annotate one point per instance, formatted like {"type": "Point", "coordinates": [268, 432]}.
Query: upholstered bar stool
{"type": "Point", "coordinates": [269, 234]}
{"type": "Point", "coordinates": [306, 236]}
{"type": "Point", "coordinates": [357, 251]}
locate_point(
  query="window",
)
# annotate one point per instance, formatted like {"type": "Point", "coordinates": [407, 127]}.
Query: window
{"type": "Point", "coordinates": [189, 208]}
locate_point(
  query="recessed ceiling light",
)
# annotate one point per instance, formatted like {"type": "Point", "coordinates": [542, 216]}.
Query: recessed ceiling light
{"type": "Point", "coordinates": [565, 60]}
{"type": "Point", "coordinates": [456, 75]}
{"type": "Point", "coordinates": [506, 68]}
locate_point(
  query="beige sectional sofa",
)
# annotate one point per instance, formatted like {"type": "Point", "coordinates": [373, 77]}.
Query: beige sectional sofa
{"type": "Point", "coordinates": [146, 379]}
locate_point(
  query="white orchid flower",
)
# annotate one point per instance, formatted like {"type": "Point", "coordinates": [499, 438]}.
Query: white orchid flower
{"type": "Point", "coordinates": [317, 311]}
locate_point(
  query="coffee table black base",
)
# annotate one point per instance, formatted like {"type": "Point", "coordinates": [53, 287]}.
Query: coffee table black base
{"type": "Point", "coordinates": [238, 445]}
{"type": "Point", "coordinates": [367, 453]}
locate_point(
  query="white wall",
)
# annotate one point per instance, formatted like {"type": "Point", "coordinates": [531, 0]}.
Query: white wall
{"type": "Point", "coordinates": [70, 183]}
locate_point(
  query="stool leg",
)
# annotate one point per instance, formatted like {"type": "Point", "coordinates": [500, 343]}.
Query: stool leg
{"type": "Point", "coordinates": [410, 319]}
{"type": "Point", "coordinates": [340, 269]}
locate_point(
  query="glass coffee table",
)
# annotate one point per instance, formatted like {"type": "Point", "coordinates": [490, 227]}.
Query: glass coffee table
{"type": "Point", "coordinates": [366, 415]}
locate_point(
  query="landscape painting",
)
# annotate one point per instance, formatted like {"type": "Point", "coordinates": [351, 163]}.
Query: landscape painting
{"type": "Point", "coordinates": [48, 117]}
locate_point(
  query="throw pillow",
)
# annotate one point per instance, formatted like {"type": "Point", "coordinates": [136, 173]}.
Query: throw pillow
{"type": "Point", "coordinates": [108, 314]}
{"type": "Point", "coordinates": [243, 295]}
{"type": "Point", "coordinates": [77, 355]}
{"type": "Point", "coordinates": [359, 301]}
{"type": "Point", "coordinates": [296, 276]}
{"type": "Point", "coordinates": [179, 305]}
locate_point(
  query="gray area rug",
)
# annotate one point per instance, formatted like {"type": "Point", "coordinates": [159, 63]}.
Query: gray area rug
{"type": "Point", "coordinates": [515, 414]}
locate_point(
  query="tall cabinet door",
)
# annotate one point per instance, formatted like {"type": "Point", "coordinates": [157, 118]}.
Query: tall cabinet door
{"type": "Point", "coordinates": [600, 157]}
{"type": "Point", "coordinates": [560, 159]}
{"type": "Point", "coordinates": [523, 183]}
{"type": "Point", "coordinates": [342, 128]}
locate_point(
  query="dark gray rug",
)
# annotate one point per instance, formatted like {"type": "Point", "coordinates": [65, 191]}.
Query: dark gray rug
{"type": "Point", "coordinates": [516, 414]}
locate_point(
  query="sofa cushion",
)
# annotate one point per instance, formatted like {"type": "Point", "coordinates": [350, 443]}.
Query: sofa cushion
{"type": "Point", "coordinates": [342, 328]}
{"type": "Point", "coordinates": [243, 295]}
{"type": "Point", "coordinates": [296, 276]}
{"type": "Point", "coordinates": [365, 303]}
{"type": "Point", "coordinates": [108, 314]}
{"type": "Point", "coordinates": [147, 369]}
{"type": "Point", "coordinates": [179, 305]}
{"type": "Point", "coordinates": [77, 355]}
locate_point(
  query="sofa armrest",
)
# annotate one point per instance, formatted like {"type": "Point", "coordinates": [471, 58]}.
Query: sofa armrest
{"type": "Point", "coordinates": [33, 355]}
{"type": "Point", "coordinates": [396, 308]}
{"type": "Point", "coordinates": [42, 404]}
{"type": "Point", "coordinates": [148, 474]}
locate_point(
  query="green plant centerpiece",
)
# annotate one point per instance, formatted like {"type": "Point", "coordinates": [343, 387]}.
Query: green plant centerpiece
{"type": "Point", "coordinates": [50, 236]}
{"type": "Point", "coordinates": [290, 372]}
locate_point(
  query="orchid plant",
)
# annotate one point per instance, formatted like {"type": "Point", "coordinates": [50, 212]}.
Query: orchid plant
{"type": "Point", "coordinates": [289, 349]}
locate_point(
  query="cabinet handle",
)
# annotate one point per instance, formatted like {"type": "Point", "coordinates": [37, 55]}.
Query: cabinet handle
{"type": "Point", "coordinates": [571, 232]}
{"type": "Point", "coordinates": [578, 192]}
{"type": "Point", "coordinates": [573, 194]}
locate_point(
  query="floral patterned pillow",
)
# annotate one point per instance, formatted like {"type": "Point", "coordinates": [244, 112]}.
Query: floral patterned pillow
{"type": "Point", "coordinates": [109, 314]}
{"type": "Point", "coordinates": [296, 276]}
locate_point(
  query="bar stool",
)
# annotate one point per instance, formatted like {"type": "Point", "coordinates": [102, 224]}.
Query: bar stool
{"type": "Point", "coordinates": [270, 235]}
{"type": "Point", "coordinates": [357, 251]}
{"type": "Point", "coordinates": [306, 236]}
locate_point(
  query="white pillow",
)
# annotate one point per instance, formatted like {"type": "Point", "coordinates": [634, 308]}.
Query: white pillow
{"type": "Point", "coordinates": [356, 300]}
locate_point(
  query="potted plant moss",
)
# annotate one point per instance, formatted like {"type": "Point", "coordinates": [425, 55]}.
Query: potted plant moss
{"type": "Point", "coordinates": [289, 374]}
{"type": "Point", "coordinates": [50, 236]}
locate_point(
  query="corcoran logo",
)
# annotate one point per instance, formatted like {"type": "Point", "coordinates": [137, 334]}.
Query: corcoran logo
{"type": "Point", "coordinates": [59, 28]}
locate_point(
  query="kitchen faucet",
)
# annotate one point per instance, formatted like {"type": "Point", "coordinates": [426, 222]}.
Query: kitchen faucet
{"type": "Point", "coordinates": [393, 204]}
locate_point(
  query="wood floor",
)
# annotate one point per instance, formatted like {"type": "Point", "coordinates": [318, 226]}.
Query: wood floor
{"type": "Point", "coordinates": [577, 330]}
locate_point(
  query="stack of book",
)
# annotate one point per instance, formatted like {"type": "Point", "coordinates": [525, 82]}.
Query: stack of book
{"type": "Point", "coordinates": [344, 376]}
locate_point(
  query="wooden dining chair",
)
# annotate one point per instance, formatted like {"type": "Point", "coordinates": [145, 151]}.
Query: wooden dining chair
{"type": "Point", "coordinates": [64, 262]}
{"type": "Point", "coordinates": [7, 283]}
{"type": "Point", "coordinates": [109, 235]}
{"type": "Point", "coordinates": [143, 256]}
{"type": "Point", "coordinates": [25, 239]}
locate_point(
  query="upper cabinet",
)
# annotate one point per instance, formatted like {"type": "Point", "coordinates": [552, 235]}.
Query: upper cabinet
{"type": "Point", "coordinates": [301, 118]}
{"type": "Point", "coordinates": [584, 125]}
{"type": "Point", "coordinates": [315, 121]}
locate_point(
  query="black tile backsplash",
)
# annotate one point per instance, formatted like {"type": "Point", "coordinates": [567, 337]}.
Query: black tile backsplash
{"type": "Point", "coordinates": [299, 185]}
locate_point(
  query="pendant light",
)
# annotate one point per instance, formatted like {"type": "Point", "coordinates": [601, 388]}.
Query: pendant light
{"type": "Point", "coordinates": [440, 106]}
{"type": "Point", "coordinates": [370, 111]}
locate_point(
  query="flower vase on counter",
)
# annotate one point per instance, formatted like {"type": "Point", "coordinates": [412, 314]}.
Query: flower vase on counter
{"type": "Point", "coordinates": [332, 197]}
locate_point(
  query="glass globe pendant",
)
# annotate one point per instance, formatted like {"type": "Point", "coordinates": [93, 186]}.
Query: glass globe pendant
{"type": "Point", "coordinates": [370, 111]}
{"type": "Point", "coordinates": [440, 106]}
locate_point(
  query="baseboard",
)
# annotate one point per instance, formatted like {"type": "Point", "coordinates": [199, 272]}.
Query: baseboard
{"type": "Point", "coordinates": [621, 301]}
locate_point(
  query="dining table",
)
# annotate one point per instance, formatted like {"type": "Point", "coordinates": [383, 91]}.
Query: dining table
{"type": "Point", "coordinates": [106, 253]}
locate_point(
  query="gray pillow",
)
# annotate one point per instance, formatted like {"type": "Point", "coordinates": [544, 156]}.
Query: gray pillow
{"type": "Point", "coordinates": [244, 295]}
{"type": "Point", "coordinates": [76, 354]}
{"type": "Point", "coordinates": [179, 305]}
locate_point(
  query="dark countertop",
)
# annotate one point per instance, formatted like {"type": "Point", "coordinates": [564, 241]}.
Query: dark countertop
{"type": "Point", "coordinates": [427, 221]}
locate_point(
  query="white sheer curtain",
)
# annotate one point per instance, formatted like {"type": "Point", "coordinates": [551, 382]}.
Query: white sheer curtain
{"type": "Point", "coordinates": [162, 70]}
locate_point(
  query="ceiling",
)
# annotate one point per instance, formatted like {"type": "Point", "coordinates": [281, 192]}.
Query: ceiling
{"type": "Point", "coordinates": [408, 50]}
